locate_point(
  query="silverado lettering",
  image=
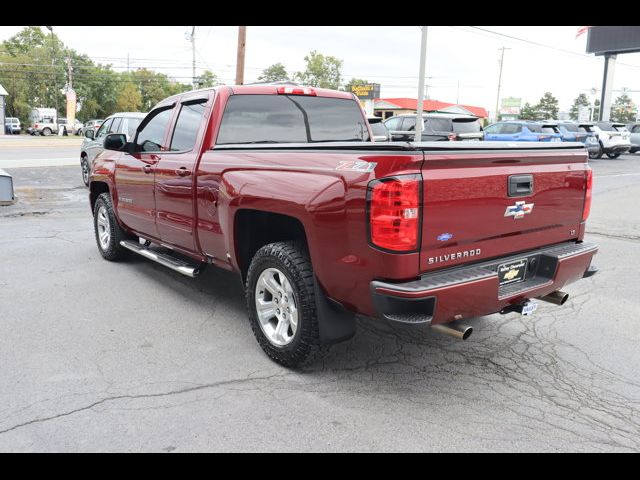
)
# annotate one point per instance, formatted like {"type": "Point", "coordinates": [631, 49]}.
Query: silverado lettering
{"type": "Point", "coordinates": [284, 186]}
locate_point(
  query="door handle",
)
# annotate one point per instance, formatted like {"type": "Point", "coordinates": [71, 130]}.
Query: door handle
{"type": "Point", "coordinates": [147, 169]}
{"type": "Point", "coordinates": [183, 172]}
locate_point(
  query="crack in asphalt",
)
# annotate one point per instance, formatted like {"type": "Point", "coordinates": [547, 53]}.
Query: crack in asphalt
{"type": "Point", "coordinates": [135, 397]}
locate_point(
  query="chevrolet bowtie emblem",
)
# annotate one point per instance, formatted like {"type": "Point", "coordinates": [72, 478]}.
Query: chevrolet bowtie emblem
{"type": "Point", "coordinates": [511, 274]}
{"type": "Point", "coordinates": [519, 210]}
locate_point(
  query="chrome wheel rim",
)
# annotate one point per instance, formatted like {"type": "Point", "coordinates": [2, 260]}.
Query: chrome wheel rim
{"type": "Point", "coordinates": [104, 228]}
{"type": "Point", "coordinates": [276, 307]}
{"type": "Point", "coordinates": [85, 171]}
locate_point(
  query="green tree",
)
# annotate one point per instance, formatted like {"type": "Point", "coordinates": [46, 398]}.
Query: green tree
{"type": "Point", "coordinates": [547, 107]}
{"type": "Point", "coordinates": [274, 73]}
{"type": "Point", "coordinates": [623, 109]}
{"type": "Point", "coordinates": [529, 112]}
{"type": "Point", "coordinates": [321, 71]}
{"type": "Point", "coordinates": [129, 98]}
{"type": "Point", "coordinates": [24, 41]}
{"type": "Point", "coordinates": [354, 82]}
{"type": "Point", "coordinates": [207, 79]}
{"type": "Point", "coordinates": [580, 101]}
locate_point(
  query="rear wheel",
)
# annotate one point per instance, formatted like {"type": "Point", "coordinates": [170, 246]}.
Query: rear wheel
{"type": "Point", "coordinates": [613, 155]}
{"type": "Point", "coordinates": [46, 132]}
{"type": "Point", "coordinates": [108, 231]}
{"type": "Point", "coordinates": [282, 306]}
{"type": "Point", "coordinates": [84, 164]}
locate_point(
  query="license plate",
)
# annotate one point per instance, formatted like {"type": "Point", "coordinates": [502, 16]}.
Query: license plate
{"type": "Point", "coordinates": [529, 307]}
{"type": "Point", "coordinates": [512, 272]}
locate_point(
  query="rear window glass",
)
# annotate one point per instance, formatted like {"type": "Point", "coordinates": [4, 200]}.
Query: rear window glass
{"type": "Point", "coordinates": [291, 119]}
{"type": "Point", "coordinates": [549, 129]}
{"type": "Point", "coordinates": [573, 128]}
{"type": "Point", "coordinates": [534, 128]}
{"type": "Point", "coordinates": [439, 124]}
{"type": "Point", "coordinates": [606, 127]}
{"type": "Point", "coordinates": [621, 128]}
{"type": "Point", "coordinates": [466, 126]}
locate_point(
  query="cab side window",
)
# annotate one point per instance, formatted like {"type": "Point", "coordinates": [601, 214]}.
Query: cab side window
{"type": "Point", "coordinates": [151, 137]}
{"type": "Point", "coordinates": [115, 125]}
{"type": "Point", "coordinates": [187, 126]}
{"type": "Point", "coordinates": [393, 123]}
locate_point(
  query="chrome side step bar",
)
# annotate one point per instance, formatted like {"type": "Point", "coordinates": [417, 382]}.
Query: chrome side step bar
{"type": "Point", "coordinates": [176, 264]}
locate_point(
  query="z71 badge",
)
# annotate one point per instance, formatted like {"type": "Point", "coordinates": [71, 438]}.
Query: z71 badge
{"type": "Point", "coordinates": [356, 166]}
{"type": "Point", "coordinates": [519, 210]}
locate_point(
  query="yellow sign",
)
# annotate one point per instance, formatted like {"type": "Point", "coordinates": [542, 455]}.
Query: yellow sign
{"type": "Point", "coordinates": [368, 92]}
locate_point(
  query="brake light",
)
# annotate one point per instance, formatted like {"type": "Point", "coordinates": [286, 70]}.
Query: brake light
{"type": "Point", "coordinates": [296, 91]}
{"type": "Point", "coordinates": [587, 195]}
{"type": "Point", "coordinates": [394, 212]}
{"type": "Point", "coordinates": [452, 136]}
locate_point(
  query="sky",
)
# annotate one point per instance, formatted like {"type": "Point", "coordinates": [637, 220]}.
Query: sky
{"type": "Point", "coordinates": [462, 62]}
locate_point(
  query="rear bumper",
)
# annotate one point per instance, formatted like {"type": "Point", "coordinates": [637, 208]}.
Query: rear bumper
{"type": "Point", "coordinates": [617, 149]}
{"type": "Point", "coordinates": [473, 290]}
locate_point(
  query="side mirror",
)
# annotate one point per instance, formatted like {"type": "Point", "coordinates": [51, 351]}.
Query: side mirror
{"type": "Point", "coordinates": [89, 133]}
{"type": "Point", "coordinates": [115, 141]}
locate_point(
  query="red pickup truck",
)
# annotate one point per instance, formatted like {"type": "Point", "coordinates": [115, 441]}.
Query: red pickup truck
{"type": "Point", "coordinates": [283, 185]}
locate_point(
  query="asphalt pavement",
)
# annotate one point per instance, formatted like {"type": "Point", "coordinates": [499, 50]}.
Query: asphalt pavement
{"type": "Point", "coordinates": [100, 356]}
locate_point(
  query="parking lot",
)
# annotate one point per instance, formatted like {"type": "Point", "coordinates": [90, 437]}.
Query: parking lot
{"type": "Point", "coordinates": [131, 356]}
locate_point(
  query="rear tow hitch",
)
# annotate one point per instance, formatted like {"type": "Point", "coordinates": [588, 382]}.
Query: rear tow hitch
{"type": "Point", "coordinates": [525, 308]}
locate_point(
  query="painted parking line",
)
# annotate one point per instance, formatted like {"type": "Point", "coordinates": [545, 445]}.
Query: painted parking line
{"type": "Point", "coordinates": [39, 162]}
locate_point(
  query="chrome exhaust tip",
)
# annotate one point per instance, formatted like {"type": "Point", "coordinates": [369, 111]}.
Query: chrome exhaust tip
{"type": "Point", "coordinates": [461, 332]}
{"type": "Point", "coordinates": [558, 297]}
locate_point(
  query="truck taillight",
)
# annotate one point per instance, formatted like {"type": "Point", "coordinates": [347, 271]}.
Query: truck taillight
{"type": "Point", "coordinates": [395, 212]}
{"type": "Point", "coordinates": [587, 195]}
{"type": "Point", "coordinates": [296, 91]}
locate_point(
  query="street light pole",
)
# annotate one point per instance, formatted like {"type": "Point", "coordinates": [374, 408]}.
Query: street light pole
{"type": "Point", "coordinates": [242, 38]}
{"type": "Point", "coordinates": [423, 59]}
{"type": "Point", "coordinates": [499, 81]}
{"type": "Point", "coordinates": [55, 80]}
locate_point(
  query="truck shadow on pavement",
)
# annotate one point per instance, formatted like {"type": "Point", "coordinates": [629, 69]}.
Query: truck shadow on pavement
{"type": "Point", "coordinates": [534, 376]}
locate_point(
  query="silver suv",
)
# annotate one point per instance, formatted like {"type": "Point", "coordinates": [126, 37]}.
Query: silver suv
{"type": "Point", "coordinates": [92, 146]}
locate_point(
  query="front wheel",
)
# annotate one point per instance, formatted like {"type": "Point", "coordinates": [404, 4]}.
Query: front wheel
{"type": "Point", "coordinates": [613, 155]}
{"type": "Point", "coordinates": [84, 164]}
{"type": "Point", "coordinates": [46, 132]}
{"type": "Point", "coordinates": [282, 306]}
{"type": "Point", "coordinates": [108, 231]}
{"type": "Point", "coordinates": [596, 154]}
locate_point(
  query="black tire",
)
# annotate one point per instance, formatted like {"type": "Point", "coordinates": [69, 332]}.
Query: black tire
{"type": "Point", "coordinates": [113, 251]}
{"type": "Point", "coordinates": [86, 170]}
{"type": "Point", "coordinates": [613, 155]}
{"type": "Point", "coordinates": [597, 154]}
{"type": "Point", "coordinates": [292, 259]}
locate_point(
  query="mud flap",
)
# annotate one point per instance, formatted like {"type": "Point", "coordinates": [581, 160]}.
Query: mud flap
{"type": "Point", "coordinates": [335, 323]}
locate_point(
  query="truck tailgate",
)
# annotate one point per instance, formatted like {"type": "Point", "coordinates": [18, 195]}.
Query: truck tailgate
{"type": "Point", "coordinates": [485, 203]}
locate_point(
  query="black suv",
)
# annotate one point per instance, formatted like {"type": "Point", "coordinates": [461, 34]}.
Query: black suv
{"type": "Point", "coordinates": [437, 127]}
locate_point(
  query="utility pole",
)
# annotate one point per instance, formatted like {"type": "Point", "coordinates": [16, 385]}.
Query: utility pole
{"type": "Point", "coordinates": [499, 81]}
{"type": "Point", "coordinates": [70, 73]}
{"type": "Point", "coordinates": [458, 94]}
{"type": "Point", "coordinates": [55, 79]}
{"type": "Point", "coordinates": [127, 62]}
{"type": "Point", "coordinates": [192, 38]}
{"type": "Point", "coordinates": [423, 61]}
{"type": "Point", "coordinates": [242, 37]}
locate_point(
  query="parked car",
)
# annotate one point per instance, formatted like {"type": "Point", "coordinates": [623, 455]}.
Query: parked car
{"type": "Point", "coordinates": [436, 127]}
{"type": "Point", "coordinates": [45, 127]}
{"type": "Point", "coordinates": [522, 131]}
{"type": "Point", "coordinates": [634, 129]}
{"type": "Point", "coordinates": [575, 132]}
{"type": "Point", "coordinates": [12, 125]}
{"type": "Point", "coordinates": [613, 138]}
{"type": "Point", "coordinates": [76, 129]}
{"type": "Point", "coordinates": [282, 186]}
{"type": "Point", "coordinates": [92, 145]}
{"type": "Point", "coordinates": [379, 131]}
{"type": "Point", "coordinates": [91, 125]}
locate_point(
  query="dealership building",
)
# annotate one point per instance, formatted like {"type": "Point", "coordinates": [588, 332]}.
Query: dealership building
{"type": "Point", "coordinates": [387, 107]}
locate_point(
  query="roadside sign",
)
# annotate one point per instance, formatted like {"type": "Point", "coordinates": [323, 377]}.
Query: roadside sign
{"type": "Point", "coordinates": [584, 113]}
